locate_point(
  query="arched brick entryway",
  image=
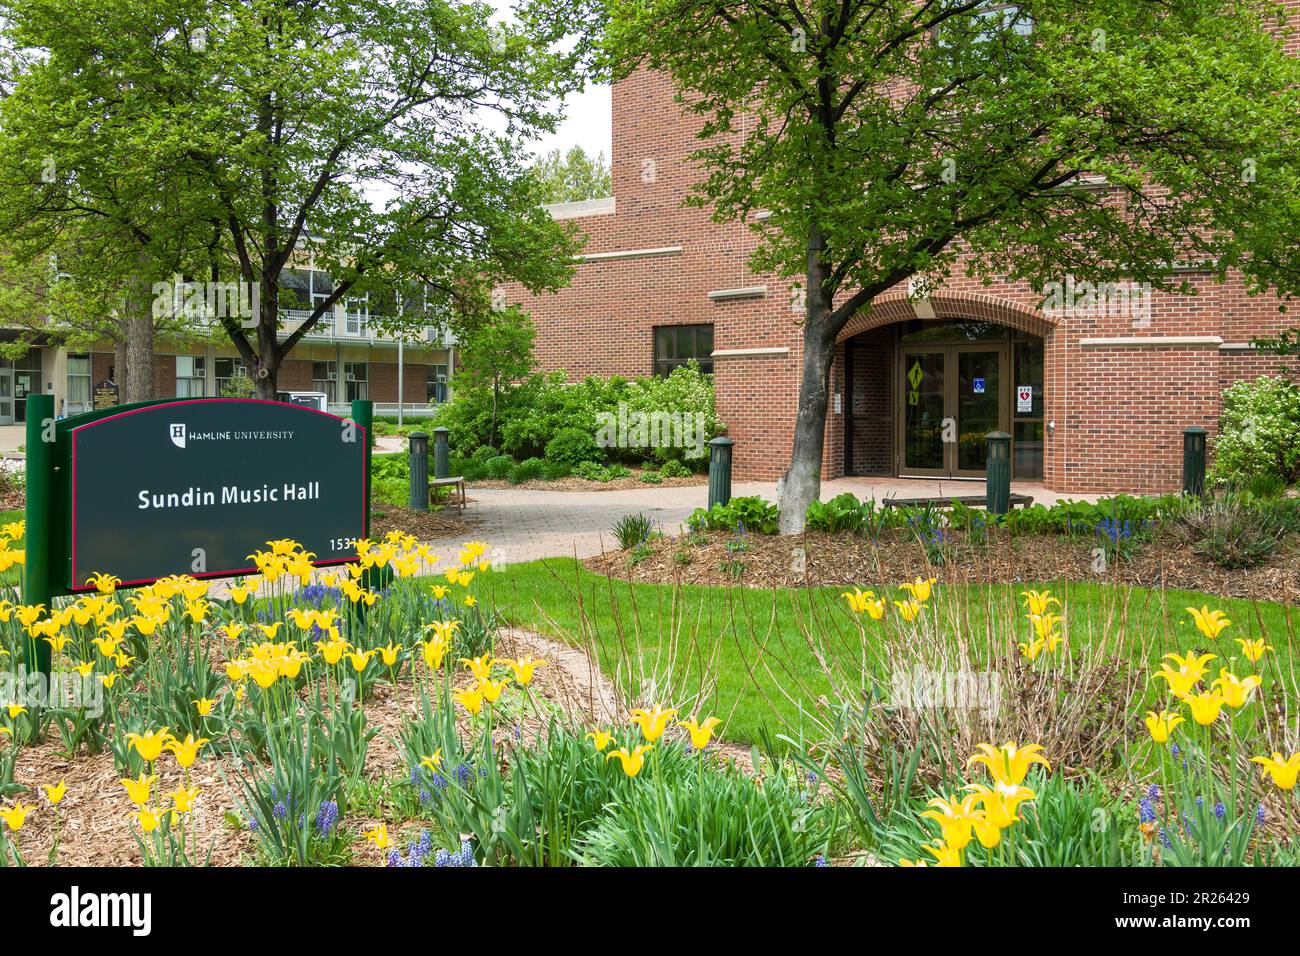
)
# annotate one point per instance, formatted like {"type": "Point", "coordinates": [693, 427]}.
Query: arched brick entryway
{"type": "Point", "coordinates": [866, 370]}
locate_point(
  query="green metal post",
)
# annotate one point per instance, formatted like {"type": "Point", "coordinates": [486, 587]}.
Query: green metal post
{"type": "Point", "coordinates": [363, 413]}
{"type": "Point", "coordinates": [998, 476]}
{"type": "Point", "coordinates": [419, 499]}
{"type": "Point", "coordinates": [720, 471]}
{"type": "Point", "coordinates": [1194, 437]}
{"type": "Point", "coordinates": [38, 581]}
{"type": "Point", "coordinates": [441, 456]}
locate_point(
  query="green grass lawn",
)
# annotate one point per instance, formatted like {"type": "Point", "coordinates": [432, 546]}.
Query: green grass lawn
{"type": "Point", "coordinates": [751, 656]}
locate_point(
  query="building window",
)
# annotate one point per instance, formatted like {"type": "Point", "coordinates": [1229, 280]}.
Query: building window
{"type": "Point", "coordinates": [356, 381]}
{"type": "Point", "coordinates": [437, 390]}
{"type": "Point", "coordinates": [232, 379]}
{"type": "Point", "coordinates": [675, 345]}
{"type": "Point", "coordinates": [191, 376]}
{"type": "Point", "coordinates": [325, 378]}
{"type": "Point", "coordinates": [79, 384]}
{"type": "Point", "coordinates": [356, 314]}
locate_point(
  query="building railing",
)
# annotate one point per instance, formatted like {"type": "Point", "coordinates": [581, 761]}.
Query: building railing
{"type": "Point", "coordinates": [335, 326]}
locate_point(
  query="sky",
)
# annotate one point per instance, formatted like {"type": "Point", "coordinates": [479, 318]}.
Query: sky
{"type": "Point", "coordinates": [586, 115]}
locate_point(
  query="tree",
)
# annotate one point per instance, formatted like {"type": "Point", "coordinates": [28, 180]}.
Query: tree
{"type": "Point", "coordinates": [495, 352]}
{"type": "Point", "coordinates": [356, 132]}
{"type": "Point", "coordinates": [572, 177]}
{"type": "Point", "coordinates": [897, 140]}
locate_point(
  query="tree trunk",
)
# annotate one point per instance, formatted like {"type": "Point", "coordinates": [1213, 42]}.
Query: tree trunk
{"type": "Point", "coordinates": [135, 382]}
{"type": "Point", "coordinates": [801, 483]}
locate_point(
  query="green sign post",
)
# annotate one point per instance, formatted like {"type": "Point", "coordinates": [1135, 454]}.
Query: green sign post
{"type": "Point", "coordinates": [191, 486]}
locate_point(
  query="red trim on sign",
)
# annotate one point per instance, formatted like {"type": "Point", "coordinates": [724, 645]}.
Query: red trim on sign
{"type": "Point", "coordinates": [72, 438]}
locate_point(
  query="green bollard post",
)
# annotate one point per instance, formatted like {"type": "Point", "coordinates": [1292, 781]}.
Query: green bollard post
{"type": "Point", "coordinates": [441, 454]}
{"type": "Point", "coordinates": [38, 582]}
{"type": "Point", "coordinates": [720, 471]}
{"type": "Point", "coordinates": [1194, 438]}
{"type": "Point", "coordinates": [363, 414]}
{"type": "Point", "coordinates": [419, 449]}
{"type": "Point", "coordinates": [998, 475]}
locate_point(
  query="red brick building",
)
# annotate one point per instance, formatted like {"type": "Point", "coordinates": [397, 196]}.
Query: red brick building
{"type": "Point", "coordinates": [1095, 397]}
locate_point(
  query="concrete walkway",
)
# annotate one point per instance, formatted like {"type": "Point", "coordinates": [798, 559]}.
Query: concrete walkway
{"type": "Point", "coordinates": [527, 525]}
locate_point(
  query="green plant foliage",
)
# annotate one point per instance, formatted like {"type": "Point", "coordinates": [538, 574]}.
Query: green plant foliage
{"type": "Point", "coordinates": [572, 447]}
{"type": "Point", "coordinates": [1259, 432]}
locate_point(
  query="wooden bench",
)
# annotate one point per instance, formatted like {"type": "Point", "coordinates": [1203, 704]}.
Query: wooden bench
{"type": "Point", "coordinates": [455, 484]}
{"type": "Point", "coordinates": [974, 501]}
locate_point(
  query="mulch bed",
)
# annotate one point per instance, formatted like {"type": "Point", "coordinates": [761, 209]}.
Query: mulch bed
{"type": "Point", "coordinates": [582, 484]}
{"type": "Point", "coordinates": [850, 560]}
{"type": "Point", "coordinates": [425, 525]}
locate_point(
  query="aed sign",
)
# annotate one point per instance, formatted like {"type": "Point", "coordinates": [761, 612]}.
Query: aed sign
{"type": "Point", "coordinates": [1024, 398]}
{"type": "Point", "coordinates": [196, 486]}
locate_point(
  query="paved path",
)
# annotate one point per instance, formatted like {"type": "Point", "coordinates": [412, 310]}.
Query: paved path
{"type": "Point", "coordinates": [527, 525]}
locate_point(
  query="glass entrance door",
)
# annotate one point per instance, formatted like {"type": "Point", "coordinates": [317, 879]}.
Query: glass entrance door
{"type": "Point", "coordinates": [952, 397]}
{"type": "Point", "coordinates": [6, 396]}
{"type": "Point", "coordinates": [925, 403]}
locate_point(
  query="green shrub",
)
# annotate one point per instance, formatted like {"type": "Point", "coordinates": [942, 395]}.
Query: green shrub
{"type": "Point", "coordinates": [1259, 432]}
{"type": "Point", "coordinates": [721, 818]}
{"type": "Point", "coordinates": [618, 471]}
{"type": "Point", "coordinates": [1234, 531]}
{"type": "Point", "coordinates": [553, 470]}
{"type": "Point", "coordinates": [592, 471]}
{"type": "Point", "coordinates": [499, 467]}
{"type": "Point", "coordinates": [631, 530]}
{"type": "Point", "coordinates": [842, 513]}
{"type": "Point", "coordinates": [750, 513]}
{"type": "Point", "coordinates": [572, 447]}
{"type": "Point", "coordinates": [673, 468]}
{"type": "Point", "coordinates": [652, 478]}
{"type": "Point", "coordinates": [529, 469]}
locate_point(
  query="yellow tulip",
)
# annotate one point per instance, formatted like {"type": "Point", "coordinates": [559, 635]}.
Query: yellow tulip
{"type": "Point", "coordinates": [1205, 706]}
{"type": "Point", "coordinates": [1001, 803]}
{"type": "Point", "coordinates": [186, 751]}
{"type": "Point", "coordinates": [858, 599]}
{"type": "Point", "coordinates": [956, 819]}
{"type": "Point", "coordinates": [1039, 601]}
{"type": "Point", "coordinates": [1282, 772]}
{"type": "Point", "coordinates": [204, 706]}
{"type": "Point", "coordinates": [150, 745]}
{"type": "Point", "coordinates": [944, 854]}
{"type": "Point", "coordinates": [492, 689]}
{"type": "Point", "coordinates": [471, 700]}
{"type": "Point", "coordinates": [434, 650]}
{"type": "Point", "coordinates": [1236, 691]}
{"type": "Point", "coordinates": [480, 667]}
{"type": "Point", "coordinates": [138, 789]}
{"type": "Point", "coordinates": [522, 667]}
{"type": "Point", "coordinates": [1161, 725]}
{"type": "Point", "coordinates": [1210, 623]}
{"type": "Point", "coordinates": [149, 820]}
{"type": "Point", "coordinates": [360, 659]}
{"type": "Point", "coordinates": [388, 654]}
{"type": "Point", "coordinates": [15, 710]}
{"type": "Point", "coordinates": [15, 816]}
{"type": "Point", "coordinates": [379, 837]}
{"type": "Point", "coordinates": [652, 722]}
{"type": "Point", "coordinates": [632, 762]}
{"type": "Point", "coordinates": [919, 589]}
{"type": "Point", "coordinates": [433, 762]}
{"type": "Point", "coordinates": [909, 609]}
{"type": "Point", "coordinates": [183, 799]}
{"type": "Point", "coordinates": [332, 651]}
{"type": "Point", "coordinates": [600, 739]}
{"type": "Point", "coordinates": [1253, 650]}
{"type": "Point", "coordinates": [702, 732]}
{"type": "Point", "coordinates": [1191, 668]}
{"type": "Point", "coordinates": [1032, 649]}
{"type": "Point", "coordinates": [1009, 764]}
{"type": "Point", "coordinates": [56, 793]}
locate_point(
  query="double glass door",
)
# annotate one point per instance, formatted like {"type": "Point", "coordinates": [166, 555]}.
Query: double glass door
{"type": "Point", "coordinates": [952, 397]}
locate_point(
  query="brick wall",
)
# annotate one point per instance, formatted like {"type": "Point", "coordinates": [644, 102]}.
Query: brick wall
{"type": "Point", "coordinates": [1117, 408]}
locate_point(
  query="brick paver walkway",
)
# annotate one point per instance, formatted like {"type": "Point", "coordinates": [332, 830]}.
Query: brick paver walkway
{"type": "Point", "coordinates": [526, 525]}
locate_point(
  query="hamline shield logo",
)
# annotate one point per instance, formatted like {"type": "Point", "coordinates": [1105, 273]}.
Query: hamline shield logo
{"type": "Point", "coordinates": [177, 431]}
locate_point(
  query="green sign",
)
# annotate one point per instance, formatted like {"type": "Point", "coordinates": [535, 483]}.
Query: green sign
{"type": "Point", "coordinates": [195, 486]}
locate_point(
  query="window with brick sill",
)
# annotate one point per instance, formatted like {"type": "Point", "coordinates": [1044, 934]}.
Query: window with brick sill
{"type": "Point", "coordinates": [676, 345]}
